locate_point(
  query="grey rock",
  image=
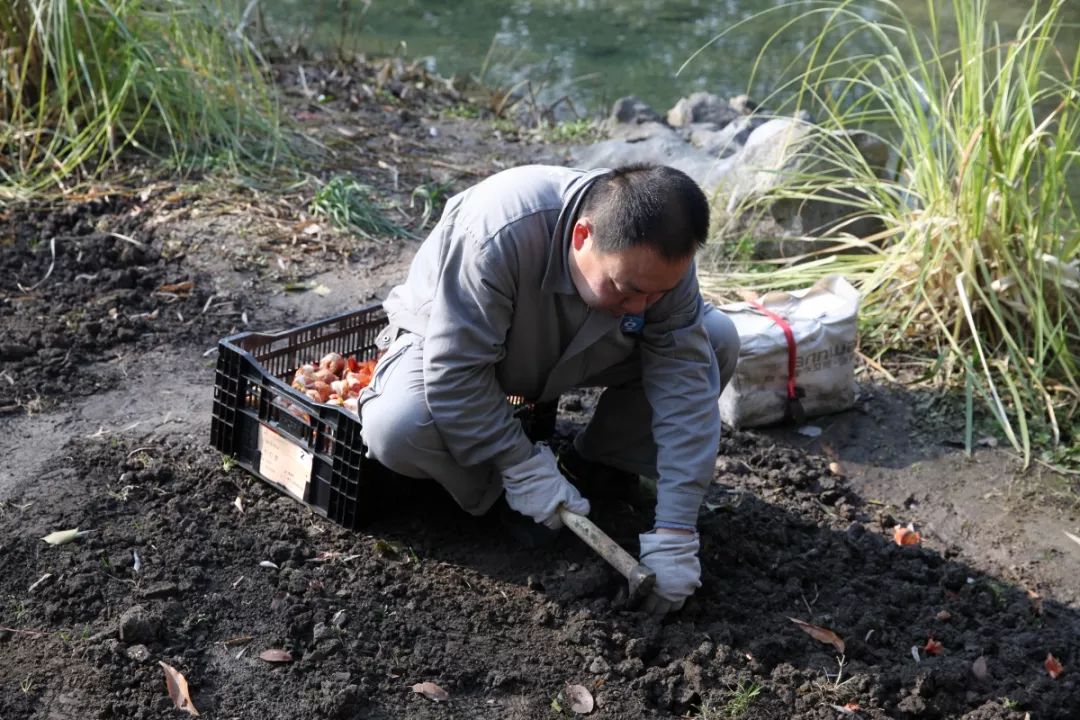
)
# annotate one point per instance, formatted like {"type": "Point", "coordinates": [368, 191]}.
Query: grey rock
{"type": "Point", "coordinates": [599, 666]}
{"type": "Point", "coordinates": [664, 147]}
{"type": "Point", "coordinates": [632, 110]}
{"type": "Point", "coordinates": [702, 107]}
{"type": "Point", "coordinates": [726, 141]}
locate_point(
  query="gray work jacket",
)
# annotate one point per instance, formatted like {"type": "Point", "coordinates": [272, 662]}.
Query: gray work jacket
{"type": "Point", "coordinates": [491, 294]}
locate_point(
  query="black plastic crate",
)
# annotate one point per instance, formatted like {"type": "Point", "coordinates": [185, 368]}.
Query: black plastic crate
{"type": "Point", "coordinates": [305, 449]}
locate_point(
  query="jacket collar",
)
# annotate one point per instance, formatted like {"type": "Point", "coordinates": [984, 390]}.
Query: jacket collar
{"type": "Point", "coordinates": [557, 274]}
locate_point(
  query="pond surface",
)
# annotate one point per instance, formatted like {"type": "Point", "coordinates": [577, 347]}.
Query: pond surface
{"type": "Point", "coordinates": [594, 51]}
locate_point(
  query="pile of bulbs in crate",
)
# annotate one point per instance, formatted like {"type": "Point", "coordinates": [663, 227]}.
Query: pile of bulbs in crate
{"type": "Point", "coordinates": [335, 380]}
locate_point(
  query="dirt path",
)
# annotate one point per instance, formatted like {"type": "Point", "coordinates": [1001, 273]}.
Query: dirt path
{"type": "Point", "coordinates": [105, 372]}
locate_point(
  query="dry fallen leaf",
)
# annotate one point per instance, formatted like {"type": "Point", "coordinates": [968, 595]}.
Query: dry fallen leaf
{"type": "Point", "coordinates": [820, 634]}
{"type": "Point", "coordinates": [933, 647]}
{"type": "Point", "coordinates": [176, 684]}
{"type": "Point", "coordinates": [580, 699]}
{"type": "Point", "coordinates": [1053, 666]}
{"type": "Point", "coordinates": [906, 535]}
{"type": "Point", "coordinates": [62, 537]}
{"type": "Point", "coordinates": [276, 655]}
{"type": "Point", "coordinates": [431, 691]}
{"type": "Point", "coordinates": [978, 668]}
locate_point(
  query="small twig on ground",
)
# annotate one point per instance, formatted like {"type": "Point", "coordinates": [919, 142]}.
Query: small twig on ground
{"type": "Point", "coordinates": [52, 264]}
{"type": "Point", "coordinates": [125, 238]}
{"type": "Point", "coordinates": [876, 365]}
{"type": "Point", "coordinates": [33, 633]}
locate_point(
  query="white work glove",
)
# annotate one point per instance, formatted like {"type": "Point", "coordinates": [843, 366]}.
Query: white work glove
{"type": "Point", "coordinates": [674, 559]}
{"type": "Point", "coordinates": [536, 488]}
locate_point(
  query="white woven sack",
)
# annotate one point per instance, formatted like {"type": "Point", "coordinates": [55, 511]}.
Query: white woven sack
{"type": "Point", "coordinates": [823, 321]}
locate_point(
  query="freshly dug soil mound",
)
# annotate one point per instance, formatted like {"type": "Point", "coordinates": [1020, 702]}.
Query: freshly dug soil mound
{"type": "Point", "coordinates": [427, 594]}
{"type": "Point", "coordinates": [84, 284]}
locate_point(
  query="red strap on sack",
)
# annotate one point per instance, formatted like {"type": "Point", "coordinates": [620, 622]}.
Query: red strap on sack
{"type": "Point", "coordinates": [795, 410]}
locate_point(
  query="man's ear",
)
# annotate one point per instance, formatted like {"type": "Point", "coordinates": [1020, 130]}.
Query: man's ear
{"type": "Point", "coordinates": [582, 232]}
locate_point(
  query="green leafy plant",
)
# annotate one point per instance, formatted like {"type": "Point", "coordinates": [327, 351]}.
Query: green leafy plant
{"type": "Point", "coordinates": [352, 205]}
{"type": "Point", "coordinates": [977, 256]}
{"type": "Point", "coordinates": [571, 131]}
{"type": "Point", "coordinates": [84, 80]}
{"type": "Point", "coordinates": [431, 197]}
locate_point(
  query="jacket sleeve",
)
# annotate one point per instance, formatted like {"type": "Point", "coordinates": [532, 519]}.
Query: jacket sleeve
{"type": "Point", "coordinates": [681, 378]}
{"type": "Point", "coordinates": [470, 317]}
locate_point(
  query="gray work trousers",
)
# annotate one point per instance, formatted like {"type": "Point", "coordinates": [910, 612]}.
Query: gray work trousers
{"type": "Point", "coordinates": [400, 433]}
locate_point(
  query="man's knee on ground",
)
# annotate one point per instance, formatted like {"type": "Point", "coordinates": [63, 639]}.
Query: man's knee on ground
{"type": "Point", "coordinates": [725, 342]}
{"type": "Point", "coordinates": [392, 426]}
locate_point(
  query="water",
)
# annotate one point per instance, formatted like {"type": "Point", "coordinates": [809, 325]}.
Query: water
{"type": "Point", "coordinates": [592, 51]}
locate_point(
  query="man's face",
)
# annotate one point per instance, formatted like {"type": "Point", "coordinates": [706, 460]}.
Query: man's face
{"type": "Point", "coordinates": [620, 283]}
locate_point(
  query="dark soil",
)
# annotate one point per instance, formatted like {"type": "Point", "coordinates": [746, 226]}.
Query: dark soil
{"type": "Point", "coordinates": [191, 561]}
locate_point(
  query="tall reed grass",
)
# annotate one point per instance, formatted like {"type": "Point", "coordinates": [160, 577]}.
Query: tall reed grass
{"type": "Point", "coordinates": [978, 257]}
{"type": "Point", "coordinates": [83, 80]}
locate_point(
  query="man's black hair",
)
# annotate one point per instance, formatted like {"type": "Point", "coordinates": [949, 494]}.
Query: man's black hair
{"type": "Point", "coordinates": [652, 204]}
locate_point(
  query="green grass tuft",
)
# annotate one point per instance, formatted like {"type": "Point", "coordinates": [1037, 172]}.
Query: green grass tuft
{"type": "Point", "coordinates": [84, 80]}
{"type": "Point", "coordinates": [978, 258]}
{"type": "Point", "coordinates": [352, 205]}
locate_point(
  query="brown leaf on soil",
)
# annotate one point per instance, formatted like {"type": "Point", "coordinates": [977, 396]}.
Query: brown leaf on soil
{"type": "Point", "coordinates": [276, 655]}
{"type": "Point", "coordinates": [176, 684]}
{"type": "Point", "coordinates": [181, 287]}
{"type": "Point", "coordinates": [933, 647]}
{"type": "Point", "coordinates": [581, 700]}
{"type": "Point", "coordinates": [431, 691]}
{"type": "Point", "coordinates": [906, 535]}
{"type": "Point", "coordinates": [820, 634]}
{"type": "Point", "coordinates": [978, 668]}
{"type": "Point", "coordinates": [1053, 666]}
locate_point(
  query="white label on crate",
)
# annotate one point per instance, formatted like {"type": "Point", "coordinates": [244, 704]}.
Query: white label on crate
{"type": "Point", "coordinates": [284, 463]}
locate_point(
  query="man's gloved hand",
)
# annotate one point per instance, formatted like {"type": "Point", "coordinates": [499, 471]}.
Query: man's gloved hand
{"type": "Point", "coordinates": [674, 559]}
{"type": "Point", "coordinates": [536, 488]}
